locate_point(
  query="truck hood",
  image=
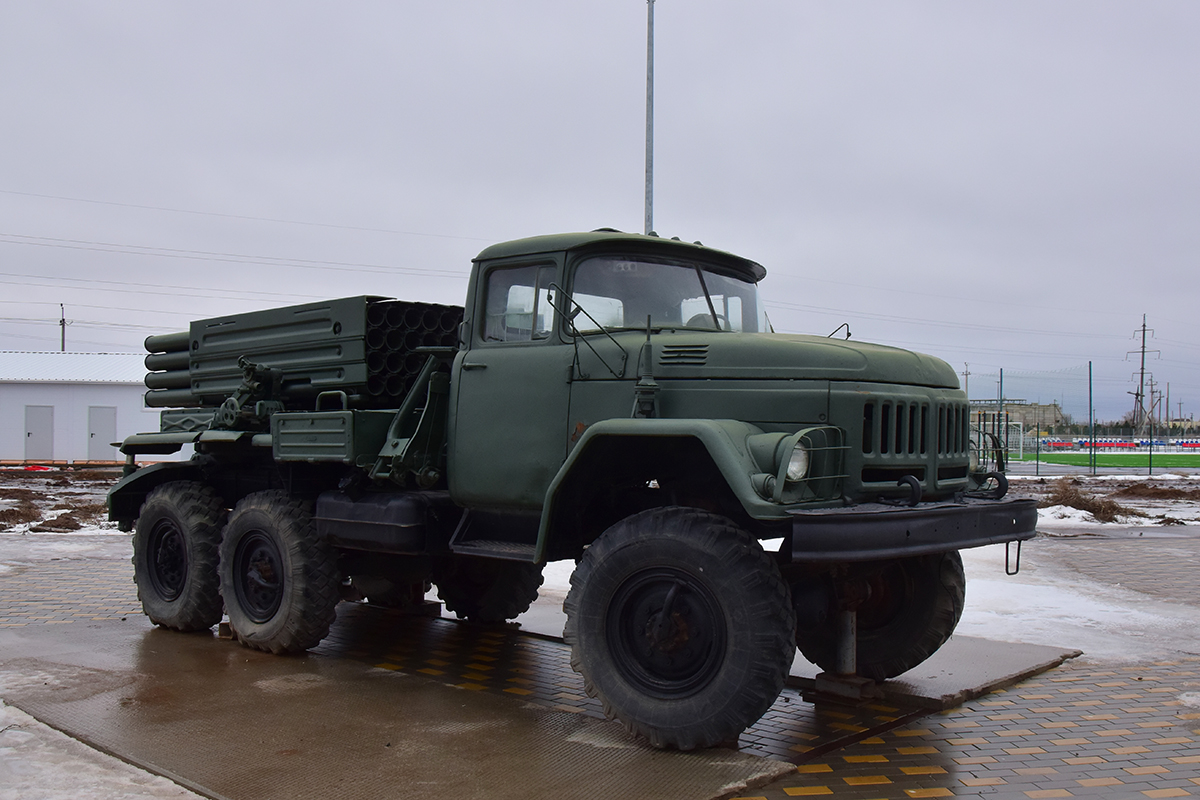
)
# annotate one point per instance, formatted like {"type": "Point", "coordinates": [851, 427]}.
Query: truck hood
{"type": "Point", "coordinates": [788, 356]}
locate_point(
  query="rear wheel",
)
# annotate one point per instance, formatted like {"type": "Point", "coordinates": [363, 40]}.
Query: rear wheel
{"type": "Point", "coordinates": [175, 556]}
{"type": "Point", "coordinates": [681, 625]}
{"type": "Point", "coordinates": [486, 589]}
{"type": "Point", "coordinates": [279, 579]}
{"type": "Point", "coordinates": [911, 607]}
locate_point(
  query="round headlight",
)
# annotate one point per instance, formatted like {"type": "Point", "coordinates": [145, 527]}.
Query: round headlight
{"type": "Point", "coordinates": [797, 466]}
{"type": "Point", "coordinates": [973, 459]}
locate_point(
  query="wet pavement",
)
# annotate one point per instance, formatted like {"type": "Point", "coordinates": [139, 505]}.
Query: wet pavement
{"type": "Point", "coordinates": [229, 722]}
{"type": "Point", "coordinates": [409, 706]}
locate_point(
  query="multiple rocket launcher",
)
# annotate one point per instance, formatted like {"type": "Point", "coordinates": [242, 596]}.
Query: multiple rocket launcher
{"type": "Point", "coordinates": [363, 346]}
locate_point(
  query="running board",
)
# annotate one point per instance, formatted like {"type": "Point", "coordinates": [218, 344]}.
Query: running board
{"type": "Point", "coordinates": [510, 551]}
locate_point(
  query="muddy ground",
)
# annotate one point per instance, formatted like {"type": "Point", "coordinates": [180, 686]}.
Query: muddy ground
{"type": "Point", "coordinates": [54, 501]}
{"type": "Point", "coordinates": [1155, 500]}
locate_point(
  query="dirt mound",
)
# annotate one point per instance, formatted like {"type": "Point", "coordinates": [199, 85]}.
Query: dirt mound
{"type": "Point", "coordinates": [82, 509]}
{"type": "Point", "coordinates": [1149, 491]}
{"type": "Point", "coordinates": [1066, 492]}
{"type": "Point", "coordinates": [24, 511]}
{"type": "Point", "coordinates": [70, 521]}
{"type": "Point", "coordinates": [21, 495]}
{"type": "Point", "coordinates": [96, 475]}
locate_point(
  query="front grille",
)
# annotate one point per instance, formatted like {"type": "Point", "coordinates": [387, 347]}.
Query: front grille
{"type": "Point", "coordinates": [953, 423]}
{"type": "Point", "coordinates": [895, 428]}
{"type": "Point", "coordinates": [901, 428]}
{"type": "Point", "coordinates": [914, 437]}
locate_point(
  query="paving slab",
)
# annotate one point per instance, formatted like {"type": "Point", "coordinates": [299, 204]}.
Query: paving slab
{"type": "Point", "coordinates": [1086, 729]}
{"type": "Point", "coordinates": [229, 722]}
{"type": "Point", "coordinates": [964, 668]}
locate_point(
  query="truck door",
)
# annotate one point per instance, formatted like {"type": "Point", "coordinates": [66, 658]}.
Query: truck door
{"type": "Point", "coordinates": [511, 391]}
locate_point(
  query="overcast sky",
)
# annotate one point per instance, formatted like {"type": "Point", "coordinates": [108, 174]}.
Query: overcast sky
{"type": "Point", "coordinates": [1005, 185]}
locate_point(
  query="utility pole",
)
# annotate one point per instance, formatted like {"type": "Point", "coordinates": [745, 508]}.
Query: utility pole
{"type": "Point", "coordinates": [1153, 402]}
{"type": "Point", "coordinates": [649, 116]}
{"type": "Point", "coordinates": [62, 324]}
{"type": "Point", "coordinates": [1167, 410]}
{"type": "Point", "coordinates": [1139, 406]}
{"type": "Point", "coordinates": [966, 373]}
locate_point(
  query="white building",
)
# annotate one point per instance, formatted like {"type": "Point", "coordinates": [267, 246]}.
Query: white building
{"type": "Point", "coordinates": [69, 407]}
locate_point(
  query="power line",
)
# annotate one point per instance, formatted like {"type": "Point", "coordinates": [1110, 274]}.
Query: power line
{"type": "Point", "coordinates": [930, 323]}
{"type": "Point", "coordinates": [235, 258]}
{"type": "Point", "coordinates": [192, 293]}
{"type": "Point", "coordinates": [231, 294]}
{"type": "Point", "coordinates": [82, 323]}
{"type": "Point", "coordinates": [169, 312]}
{"type": "Point", "coordinates": [989, 300]}
{"type": "Point", "coordinates": [244, 216]}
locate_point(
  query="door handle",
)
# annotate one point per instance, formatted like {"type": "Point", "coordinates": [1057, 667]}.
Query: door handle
{"type": "Point", "coordinates": [471, 365]}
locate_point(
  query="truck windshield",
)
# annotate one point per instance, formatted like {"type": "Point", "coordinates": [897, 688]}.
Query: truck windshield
{"type": "Point", "coordinates": [621, 291]}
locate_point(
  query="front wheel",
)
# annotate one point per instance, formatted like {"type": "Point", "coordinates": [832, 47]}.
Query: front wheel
{"type": "Point", "coordinates": [911, 607]}
{"type": "Point", "coordinates": [175, 556]}
{"type": "Point", "coordinates": [681, 625]}
{"type": "Point", "coordinates": [279, 579]}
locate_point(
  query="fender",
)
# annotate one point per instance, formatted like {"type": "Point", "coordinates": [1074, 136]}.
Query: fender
{"type": "Point", "coordinates": [726, 442]}
{"type": "Point", "coordinates": [126, 497]}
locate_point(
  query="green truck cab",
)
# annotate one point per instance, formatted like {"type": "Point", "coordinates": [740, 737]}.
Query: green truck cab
{"type": "Point", "coordinates": [611, 398]}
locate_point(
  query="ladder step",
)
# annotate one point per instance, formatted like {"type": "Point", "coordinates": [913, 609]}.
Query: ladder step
{"type": "Point", "coordinates": [512, 551]}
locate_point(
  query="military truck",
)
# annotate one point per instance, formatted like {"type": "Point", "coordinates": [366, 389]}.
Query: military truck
{"type": "Point", "coordinates": [616, 399]}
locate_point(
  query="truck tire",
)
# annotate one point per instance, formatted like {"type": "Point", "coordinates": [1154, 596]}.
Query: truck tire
{"type": "Point", "coordinates": [175, 556]}
{"type": "Point", "coordinates": [486, 589]}
{"type": "Point", "coordinates": [913, 606]}
{"type": "Point", "coordinates": [716, 662]}
{"type": "Point", "coordinates": [279, 579]}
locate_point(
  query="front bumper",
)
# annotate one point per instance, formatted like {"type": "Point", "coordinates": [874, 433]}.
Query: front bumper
{"type": "Point", "coordinates": [873, 531]}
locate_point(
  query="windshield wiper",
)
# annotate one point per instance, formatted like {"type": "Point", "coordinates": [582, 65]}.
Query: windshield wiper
{"type": "Point", "coordinates": [577, 335]}
{"type": "Point", "coordinates": [708, 299]}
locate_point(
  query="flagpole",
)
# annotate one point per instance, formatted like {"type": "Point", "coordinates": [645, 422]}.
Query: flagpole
{"type": "Point", "coordinates": [649, 116]}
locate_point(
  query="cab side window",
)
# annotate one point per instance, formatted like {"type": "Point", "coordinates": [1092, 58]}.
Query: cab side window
{"type": "Point", "coordinates": [518, 304]}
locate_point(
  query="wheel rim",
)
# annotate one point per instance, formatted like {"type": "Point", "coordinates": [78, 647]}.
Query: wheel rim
{"type": "Point", "coordinates": [167, 557]}
{"type": "Point", "coordinates": [258, 576]}
{"type": "Point", "coordinates": [670, 654]}
{"type": "Point", "coordinates": [888, 592]}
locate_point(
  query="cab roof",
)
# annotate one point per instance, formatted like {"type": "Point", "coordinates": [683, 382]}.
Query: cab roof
{"type": "Point", "coordinates": [608, 240]}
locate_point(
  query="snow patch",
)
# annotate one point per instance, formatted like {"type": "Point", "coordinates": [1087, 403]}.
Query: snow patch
{"type": "Point", "coordinates": [37, 761]}
{"type": "Point", "coordinates": [608, 737]}
{"type": "Point", "coordinates": [290, 684]}
{"type": "Point", "coordinates": [1067, 516]}
{"type": "Point", "coordinates": [1044, 605]}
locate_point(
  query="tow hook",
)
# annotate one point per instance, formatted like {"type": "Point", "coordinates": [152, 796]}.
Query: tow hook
{"type": "Point", "coordinates": [914, 492]}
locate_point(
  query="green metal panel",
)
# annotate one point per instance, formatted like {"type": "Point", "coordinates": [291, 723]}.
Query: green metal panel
{"type": "Point", "coordinates": [509, 430]}
{"type": "Point", "coordinates": [185, 420]}
{"type": "Point", "coordinates": [620, 242]}
{"type": "Point", "coordinates": [727, 442]}
{"type": "Point", "coordinates": [773, 356]}
{"type": "Point", "coordinates": [348, 437]}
